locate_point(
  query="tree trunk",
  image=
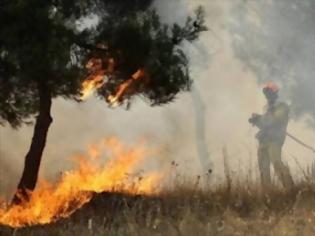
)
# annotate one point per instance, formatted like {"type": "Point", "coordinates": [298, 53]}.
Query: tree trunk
{"type": "Point", "coordinates": [34, 155]}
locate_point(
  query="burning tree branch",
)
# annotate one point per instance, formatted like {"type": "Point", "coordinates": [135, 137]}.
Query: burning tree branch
{"type": "Point", "coordinates": [158, 71]}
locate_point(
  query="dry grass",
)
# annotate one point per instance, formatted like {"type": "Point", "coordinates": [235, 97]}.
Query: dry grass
{"type": "Point", "coordinates": [238, 207]}
{"type": "Point", "coordinates": [233, 209]}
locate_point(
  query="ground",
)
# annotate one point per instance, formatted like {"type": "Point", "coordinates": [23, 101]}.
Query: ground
{"type": "Point", "coordinates": [236, 210]}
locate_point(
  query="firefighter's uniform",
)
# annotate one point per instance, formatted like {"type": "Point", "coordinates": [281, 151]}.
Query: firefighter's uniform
{"type": "Point", "coordinates": [273, 124]}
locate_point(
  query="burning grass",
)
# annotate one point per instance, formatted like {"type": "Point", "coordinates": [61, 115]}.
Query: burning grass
{"type": "Point", "coordinates": [104, 199]}
{"type": "Point", "coordinates": [53, 201]}
{"type": "Point", "coordinates": [187, 210]}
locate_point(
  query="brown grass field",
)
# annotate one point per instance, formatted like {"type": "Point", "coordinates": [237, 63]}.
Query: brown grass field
{"type": "Point", "coordinates": [239, 209]}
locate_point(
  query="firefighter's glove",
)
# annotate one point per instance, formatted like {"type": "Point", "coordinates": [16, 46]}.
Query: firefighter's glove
{"type": "Point", "coordinates": [254, 119]}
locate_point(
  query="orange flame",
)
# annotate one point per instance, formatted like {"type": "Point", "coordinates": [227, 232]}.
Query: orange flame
{"type": "Point", "coordinates": [97, 77]}
{"type": "Point", "coordinates": [114, 100]}
{"type": "Point", "coordinates": [49, 202]}
{"type": "Point", "coordinates": [88, 86]}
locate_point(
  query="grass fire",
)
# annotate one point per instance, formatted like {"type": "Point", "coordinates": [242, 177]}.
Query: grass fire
{"type": "Point", "coordinates": [52, 201]}
{"type": "Point", "coordinates": [157, 117]}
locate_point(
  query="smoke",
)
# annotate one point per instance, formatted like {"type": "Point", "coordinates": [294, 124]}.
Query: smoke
{"type": "Point", "coordinates": [200, 127]}
{"type": "Point", "coordinates": [276, 40]}
{"type": "Point", "coordinates": [230, 90]}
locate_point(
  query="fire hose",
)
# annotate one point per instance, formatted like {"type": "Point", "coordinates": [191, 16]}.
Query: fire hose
{"type": "Point", "coordinates": [301, 142]}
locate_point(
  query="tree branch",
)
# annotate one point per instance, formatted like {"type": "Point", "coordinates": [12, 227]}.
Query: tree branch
{"type": "Point", "coordinates": [90, 46]}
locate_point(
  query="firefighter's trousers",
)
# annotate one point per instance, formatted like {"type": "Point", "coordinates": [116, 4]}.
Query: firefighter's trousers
{"type": "Point", "coordinates": [270, 153]}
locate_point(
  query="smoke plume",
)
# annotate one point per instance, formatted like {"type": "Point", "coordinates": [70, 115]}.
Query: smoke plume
{"type": "Point", "coordinates": [276, 39]}
{"type": "Point", "coordinates": [245, 45]}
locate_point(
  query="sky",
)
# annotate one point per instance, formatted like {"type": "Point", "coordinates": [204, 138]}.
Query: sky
{"type": "Point", "coordinates": [230, 90]}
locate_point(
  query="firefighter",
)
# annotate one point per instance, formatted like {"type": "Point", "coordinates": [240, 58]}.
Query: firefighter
{"type": "Point", "coordinates": [272, 127]}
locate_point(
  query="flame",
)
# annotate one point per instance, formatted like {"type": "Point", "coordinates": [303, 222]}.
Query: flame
{"type": "Point", "coordinates": [115, 99]}
{"type": "Point", "coordinates": [90, 85]}
{"type": "Point", "coordinates": [52, 201]}
{"type": "Point", "coordinates": [97, 77]}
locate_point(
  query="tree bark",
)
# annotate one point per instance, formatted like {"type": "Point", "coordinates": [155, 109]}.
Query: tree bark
{"type": "Point", "coordinates": [33, 158]}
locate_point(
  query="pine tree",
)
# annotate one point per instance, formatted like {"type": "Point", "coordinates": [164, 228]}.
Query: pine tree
{"type": "Point", "coordinates": [44, 54]}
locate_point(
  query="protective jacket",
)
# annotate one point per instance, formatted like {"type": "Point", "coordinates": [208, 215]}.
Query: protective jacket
{"type": "Point", "coordinates": [273, 124]}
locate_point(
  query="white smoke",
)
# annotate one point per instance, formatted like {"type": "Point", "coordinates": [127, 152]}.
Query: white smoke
{"type": "Point", "coordinates": [276, 40]}
{"type": "Point", "coordinates": [230, 91]}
